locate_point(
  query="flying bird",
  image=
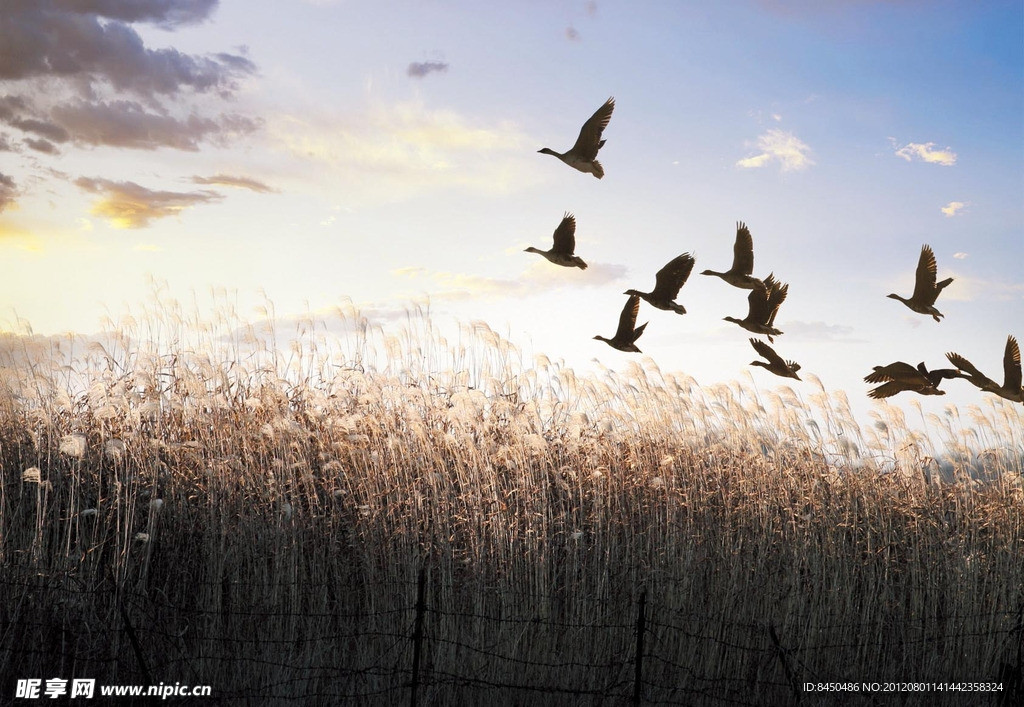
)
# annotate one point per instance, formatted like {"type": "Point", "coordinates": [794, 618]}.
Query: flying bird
{"type": "Point", "coordinates": [739, 275]}
{"type": "Point", "coordinates": [626, 335]}
{"type": "Point", "coordinates": [775, 364]}
{"type": "Point", "coordinates": [900, 376]}
{"type": "Point", "coordinates": [762, 305]}
{"type": "Point", "coordinates": [1011, 387]}
{"type": "Point", "coordinates": [667, 283]}
{"type": "Point", "coordinates": [926, 290]}
{"type": "Point", "coordinates": [564, 246]}
{"type": "Point", "coordinates": [583, 155]}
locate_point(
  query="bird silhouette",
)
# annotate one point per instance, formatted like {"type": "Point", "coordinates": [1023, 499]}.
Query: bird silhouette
{"type": "Point", "coordinates": [564, 246]}
{"type": "Point", "coordinates": [626, 335]}
{"type": "Point", "coordinates": [1011, 387]}
{"type": "Point", "coordinates": [926, 290]}
{"type": "Point", "coordinates": [900, 376]}
{"type": "Point", "coordinates": [583, 155]}
{"type": "Point", "coordinates": [739, 275]}
{"type": "Point", "coordinates": [762, 305]}
{"type": "Point", "coordinates": [775, 364]}
{"type": "Point", "coordinates": [667, 283]}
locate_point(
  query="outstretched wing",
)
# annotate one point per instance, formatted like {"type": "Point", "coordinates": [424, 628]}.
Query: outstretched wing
{"type": "Point", "coordinates": [589, 141]}
{"type": "Point", "coordinates": [671, 278]}
{"type": "Point", "coordinates": [888, 390]}
{"type": "Point", "coordinates": [776, 296]}
{"type": "Point", "coordinates": [767, 352]}
{"type": "Point", "coordinates": [1011, 365]}
{"type": "Point", "coordinates": [924, 283]}
{"type": "Point", "coordinates": [627, 320]}
{"type": "Point", "coordinates": [743, 251]}
{"type": "Point", "coordinates": [897, 371]}
{"type": "Point", "coordinates": [565, 235]}
{"type": "Point", "coordinates": [974, 375]}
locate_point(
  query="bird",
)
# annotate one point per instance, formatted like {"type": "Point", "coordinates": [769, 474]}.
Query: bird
{"type": "Point", "coordinates": [763, 304]}
{"type": "Point", "coordinates": [667, 283]}
{"type": "Point", "coordinates": [739, 275]}
{"type": "Point", "coordinates": [626, 335]}
{"type": "Point", "coordinates": [926, 290]}
{"type": "Point", "coordinates": [786, 369]}
{"type": "Point", "coordinates": [1011, 387]}
{"type": "Point", "coordinates": [583, 155]}
{"type": "Point", "coordinates": [900, 376]}
{"type": "Point", "coordinates": [564, 246]}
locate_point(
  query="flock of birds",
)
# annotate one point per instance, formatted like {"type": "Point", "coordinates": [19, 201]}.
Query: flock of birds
{"type": "Point", "coordinates": [766, 296]}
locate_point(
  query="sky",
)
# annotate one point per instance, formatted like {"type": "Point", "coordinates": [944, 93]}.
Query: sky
{"type": "Point", "coordinates": [324, 152]}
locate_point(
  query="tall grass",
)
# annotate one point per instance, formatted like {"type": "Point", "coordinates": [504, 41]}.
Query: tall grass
{"type": "Point", "coordinates": [257, 505]}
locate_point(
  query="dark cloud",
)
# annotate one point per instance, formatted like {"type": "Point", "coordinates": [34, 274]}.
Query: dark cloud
{"type": "Point", "coordinates": [67, 39]}
{"type": "Point", "coordinates": [227, 180]}
{"type": "Point", "coordinates": [129, 124]}
{"type": "Point", "coordinates": [43, 128]}
{"type": "Point", "coordinates": [8, 190]}
{"type": "Point", "coordinates": [128, 205]}
{"type": "Point", "coordinates": [44, 146]}
{"type": "Point", "coordinates": [419, 69]}
{"type": "Point", "coordinates": [571, 34]}
{"type": "Point", "coordinates": [164, 13]}
{"type": "Point", "coordinates": [5, 144]}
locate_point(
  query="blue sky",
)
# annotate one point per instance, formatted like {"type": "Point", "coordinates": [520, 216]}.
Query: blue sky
{"type": "Point", "coordinates": [382, 153]}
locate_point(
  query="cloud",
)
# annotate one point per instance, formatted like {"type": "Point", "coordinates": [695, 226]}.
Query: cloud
{"type": "Point", "coordinates": [780, 146]}
{"type": "Point", "coordinates": [227, 180]}
{"type": "Point", "coordinates": [44, 146]}
{"type": "Point", "coordinates": [818, 331]}
{"type": "Point", "coordinates": [538, 277]}
{"type": "Point", "coordinates": [389, 152]}
{"type": "Point", "coordinates": [90, 42]}
{"type": "Point", "coordinates": [952, 208]}
{"type": "Point", "coordinates": [8, 190]}
{"type": "Point", "coordinates": [128, 205]}
{"type": "Point", "coordinates": [419, 69]}
{"type": "Point", "coordinates": [572, 34]}
{"type": "Point", "coordinates": [926, 153]}
{"type": "Point", "coordinates": [968, 289]}
{"type": "Point", "coordinates": [128, 124]}
{"type": "Point", "coordinates": [960, 256]}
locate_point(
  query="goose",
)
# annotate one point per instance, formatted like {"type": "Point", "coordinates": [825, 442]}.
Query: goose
{"type": "Point", "coordinates": [564, 245]}
{"type": "Point", "coordinates": [626, 335]}
{"type": "Point", "coordinates": [926, 290]}
{"type": "Point", "coordinates": [742, 261]}
{"type": "Point", "coordinates": [667, 283]}
{"type": "Point", "coordinates": [763, 304]}
{"type": "Point", "coordinates": [900, 376]}
{"type": "Point", "coordinates": [583, 155]}
{"type": "Point", "coordinates": [786, 369]}
{"type": "Point", "coordinates": [1011, 387]}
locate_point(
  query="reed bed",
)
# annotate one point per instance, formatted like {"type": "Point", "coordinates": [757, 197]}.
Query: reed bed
{"type": "Point", "coordinates": [214, 502]}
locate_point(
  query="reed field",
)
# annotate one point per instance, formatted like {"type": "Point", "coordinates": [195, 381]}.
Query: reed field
{"type": "Point", "coordinates": [213, 502]}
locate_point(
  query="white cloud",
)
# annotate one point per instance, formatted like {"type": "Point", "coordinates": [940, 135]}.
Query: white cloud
{"type": "Point", "coordinates": [926, 153]}
{"type": "Point", "coordinates": [952, 208]}
{"type": "Point", "coordinates": [389, 152]}
{"type": "Point", "coordinates": [779, 146]}
{"type": "Point", "coordinates": [960, 256]}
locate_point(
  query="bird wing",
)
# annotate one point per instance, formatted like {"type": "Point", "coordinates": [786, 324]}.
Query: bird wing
{"type": "Point", "coordinates": [1011, 365]}
{"type": "Point", "coordinates": [776, 296]}
{"type": "Point", "coordinates": [671, 278]}
{"type": "Point", "coordinates": [757, 304]}
{"type": "Point", "coordinates": [897, 371]}
{"type": "Point", "coordinates": [743, 250]}
{"type": "Point", "coordinates": [627, 320]}
{"type": "Point", "coordinates": [767, 352]}
{"type": "Point", "coordinates": [924, 283]}
{"type": "Point", "coordinates": [565, 235]}
{"type": "Point", "coordinates": [589, 141]}
{"type": "Point", "coordinates": [887, 390]}
{"type": "Point", "coordinates": [974, 375]}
